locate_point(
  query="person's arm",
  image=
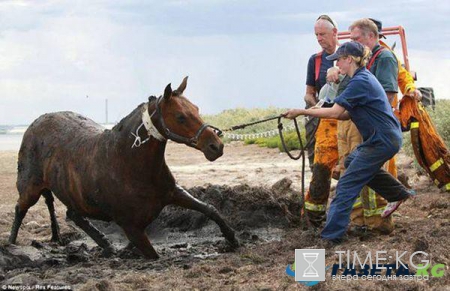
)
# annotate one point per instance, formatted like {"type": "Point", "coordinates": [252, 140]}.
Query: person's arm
{"type": "Point", "coordinates": [386, 72]}
{"type": "Point", "coordinates": [344, 116]}
{"type": "Point", "coordinates": [390, 96]}
{"type": "Point", "coordinates": [310, 96]}
{"type": "Point", "coordinates": [415, 94]}
{"type": "Point", "coordinates": [406, 82]}
{"type": "Point", "coordinates": [335, 112]}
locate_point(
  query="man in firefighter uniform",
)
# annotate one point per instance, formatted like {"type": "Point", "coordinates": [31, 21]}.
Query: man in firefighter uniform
{"type": "Point", "coordinates": [325, 148]}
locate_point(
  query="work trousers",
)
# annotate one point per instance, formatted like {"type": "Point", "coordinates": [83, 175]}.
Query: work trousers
{"type": "Point", "coordinates": [325, 159]}
{"type": "Point", "coordinates": [369, 205]}
{"type": "Point", "coordinates": [363, 168]}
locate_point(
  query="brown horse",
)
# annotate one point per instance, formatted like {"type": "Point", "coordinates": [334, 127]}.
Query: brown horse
{"type": "Point", "coordinates": [119, 174]}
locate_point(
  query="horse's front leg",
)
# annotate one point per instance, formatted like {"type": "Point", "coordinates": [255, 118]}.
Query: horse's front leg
{"type": "Point", "coordinates": [92, 231]}
{"type": "Point", "coordinates": [182, 198]}
{"type": "Point", "coordinates": [139, 239]}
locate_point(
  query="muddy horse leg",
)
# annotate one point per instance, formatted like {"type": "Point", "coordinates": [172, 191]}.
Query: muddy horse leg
{"type": "Point", "coordinates": [20, 214]}
{"type": "Point", "coordinates": [51, 209]}
{"type": "Point", "coordinates": [92, 231]}
{"type": "Point", "coordinates": [184, 199]}
{"type": "Point", "coordinates": [27, 199]}
{"type": "Point", "coordinates": [139, 239]}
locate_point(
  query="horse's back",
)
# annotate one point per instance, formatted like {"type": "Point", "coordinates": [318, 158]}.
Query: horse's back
{"type": "Point", "coordinates": [53, 138]}
{"type": "Point", "coordinates": [63, 123]}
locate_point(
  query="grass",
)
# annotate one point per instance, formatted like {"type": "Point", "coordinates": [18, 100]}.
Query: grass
{"type": "Point", "coordinates": [228, 118]}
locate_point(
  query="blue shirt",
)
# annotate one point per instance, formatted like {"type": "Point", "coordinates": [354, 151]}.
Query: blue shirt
{"type": "Point", "coordinates": [365, 100]}
{"type": "Point", "coordinates": [311, 73]}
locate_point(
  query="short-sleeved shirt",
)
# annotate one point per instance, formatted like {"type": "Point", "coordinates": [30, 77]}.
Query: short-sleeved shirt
{"type": "Point", "coordinates": [385, 69]}
{"type": "Point", "coordinates": [311, 73]}
{"type": "Point", "coordinates": [366, 102]}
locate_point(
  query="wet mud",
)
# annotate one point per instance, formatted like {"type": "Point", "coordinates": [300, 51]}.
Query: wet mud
{"type": "Point", "coordinates": [182, 237]}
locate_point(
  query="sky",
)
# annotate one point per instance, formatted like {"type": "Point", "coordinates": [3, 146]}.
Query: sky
{"type": "Point", "coordinates": [74, 55]}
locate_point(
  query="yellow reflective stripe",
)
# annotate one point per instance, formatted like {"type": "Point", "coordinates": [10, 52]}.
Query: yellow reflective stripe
{"type": "Point", "coordinates": [372, 199]}
{"type": "Point", "coordinates": [410, 87]}
{"type": "Point", "coordinates": [436, 165]}
{"type": "Point", "coordinates": [314, 207]}
{"type": "Point", "coordinates": [414, 125]}
{"type": "Point", "coordinates": [447, 187]}
{"type": "Point", "coordinates": [372, 212]}
{"type": "Point", "coordinates": [358, 202]}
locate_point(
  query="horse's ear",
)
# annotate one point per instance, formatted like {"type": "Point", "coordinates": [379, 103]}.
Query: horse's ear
{"type": "Point", "coordinates": [167, 92]}
{"type": "Point", "coordinates": [183, 85]}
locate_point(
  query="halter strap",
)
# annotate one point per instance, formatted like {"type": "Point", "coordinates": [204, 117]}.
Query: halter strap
{"type": "Point", "coordinates": [152, 131]}
{"type": "Point", "coordinates": [149, 126]}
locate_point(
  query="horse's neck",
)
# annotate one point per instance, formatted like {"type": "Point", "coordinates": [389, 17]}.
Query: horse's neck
{"type": "Point", "coordinates": [148, 158]}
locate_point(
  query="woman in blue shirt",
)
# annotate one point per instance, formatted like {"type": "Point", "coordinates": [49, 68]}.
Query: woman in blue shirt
{"type": "Point", "coordinates": [365, 102]}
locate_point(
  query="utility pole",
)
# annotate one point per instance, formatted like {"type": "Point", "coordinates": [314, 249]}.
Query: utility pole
{"type": "Point", "coordinates": [106, 110]}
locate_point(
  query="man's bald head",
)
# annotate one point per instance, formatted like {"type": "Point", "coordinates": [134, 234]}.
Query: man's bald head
{"type": "Point", "coordinates": [326, 33]}
{"type": "Point", "coordinates": [324, 24]}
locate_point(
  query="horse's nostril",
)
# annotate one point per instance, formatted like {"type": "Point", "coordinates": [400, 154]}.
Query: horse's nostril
{"type": "Point", "coordinates": [213, 147]}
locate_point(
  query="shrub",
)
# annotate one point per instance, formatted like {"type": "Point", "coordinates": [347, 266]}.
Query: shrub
{"type": "Point", "coordinates": [440, 117]}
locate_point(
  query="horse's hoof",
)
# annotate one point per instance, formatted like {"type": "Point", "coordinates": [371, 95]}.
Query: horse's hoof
{"type": "Point", "coordinates": [109, 252]}
{"type": "Point", "coordinates": [152, 257]}
{"type": "Point", "coordinates": [233, 244]}
{"type": "Point", "coordinates": [57, 241]}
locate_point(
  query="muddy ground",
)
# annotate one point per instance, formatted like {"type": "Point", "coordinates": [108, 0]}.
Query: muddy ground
{"type": "Point", "coordinates": [257, 191]}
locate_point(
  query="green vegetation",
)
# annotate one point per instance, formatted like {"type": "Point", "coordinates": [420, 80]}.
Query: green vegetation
{"type": "Point", "coordinates": [228, 118]}
{"type": "Point", "coordinates": [290, 138]}
{"type": "Point", "coordinates": [232, 117]}
{"type": "Point", "coordinates": [441, 118]}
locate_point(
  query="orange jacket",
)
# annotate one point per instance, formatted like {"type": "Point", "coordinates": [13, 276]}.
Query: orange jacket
{"type": "Point", "coordinates": [405, 80]}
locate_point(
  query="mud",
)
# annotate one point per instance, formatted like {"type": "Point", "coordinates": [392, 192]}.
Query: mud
{"type": "Point", "coordinates": [247, 182]}
{"type": "Point", "coordinates": [180, 236]}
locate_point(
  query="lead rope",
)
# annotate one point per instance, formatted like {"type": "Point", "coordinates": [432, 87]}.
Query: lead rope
{"type": "Point", "coordinates": [303, 220]}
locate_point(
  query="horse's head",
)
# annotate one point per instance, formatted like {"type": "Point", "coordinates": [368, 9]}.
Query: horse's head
{"type": "Point", "coordinates": [176, 118]}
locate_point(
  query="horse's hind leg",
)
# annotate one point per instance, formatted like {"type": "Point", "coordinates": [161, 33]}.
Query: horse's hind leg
{"type": "Point", "coordinates": [92, 231]}
{"type": "Point", "coordinates": [184, 199]}
{"type": "Point", "coordinates": [27, 198]}
{"type": "Point", "coordinates": [140, 240]}
{"type": "Point", "coordinates": [51, 209]}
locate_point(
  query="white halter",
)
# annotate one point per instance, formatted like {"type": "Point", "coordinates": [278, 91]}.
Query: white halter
{"type": "Point", "coordinates": [152, 131]}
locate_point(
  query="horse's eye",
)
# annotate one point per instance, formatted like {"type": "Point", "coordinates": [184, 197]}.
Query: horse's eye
{"type": "Point", "coordinates": [181, 118]}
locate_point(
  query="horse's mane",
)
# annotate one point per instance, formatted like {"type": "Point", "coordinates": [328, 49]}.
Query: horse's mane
{"type": "Point", "coordinates": [137, 111]}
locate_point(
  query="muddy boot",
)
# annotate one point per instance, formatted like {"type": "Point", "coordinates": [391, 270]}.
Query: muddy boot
{"type": "Point", "coordinates": [316, 219]}
{"type": "Point", "coordinates": [357, 214]}
{"type": "Point", "coordinates": [362, 232]}
{"type": "Point", "coordinates": [380, 225]}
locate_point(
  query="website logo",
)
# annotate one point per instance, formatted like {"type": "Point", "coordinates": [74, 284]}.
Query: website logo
{"type": "Point", "coordinates": [310, 265]}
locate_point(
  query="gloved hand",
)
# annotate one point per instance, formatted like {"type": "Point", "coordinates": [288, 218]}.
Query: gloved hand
{"type": "Point", "coordinates": [416, 94]}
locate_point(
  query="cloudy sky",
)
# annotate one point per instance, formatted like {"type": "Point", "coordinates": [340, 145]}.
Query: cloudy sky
{"type": "Point", "coordinates": [72, 55]}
